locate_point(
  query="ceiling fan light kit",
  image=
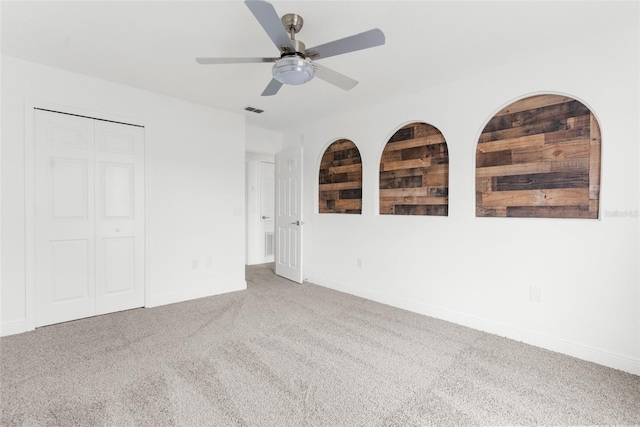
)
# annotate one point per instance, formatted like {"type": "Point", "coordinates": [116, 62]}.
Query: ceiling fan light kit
{"type": "Point", "coordinates": [295, 65]}
{"type": "Point", "coordinates": [293, 70]}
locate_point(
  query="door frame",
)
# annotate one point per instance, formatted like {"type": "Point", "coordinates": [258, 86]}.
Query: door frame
{"type": "Point", "coordinates": [30, 106]}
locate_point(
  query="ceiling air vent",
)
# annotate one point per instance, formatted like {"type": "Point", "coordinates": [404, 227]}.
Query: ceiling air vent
{"type": "Point", "coordinates": [254, 110]}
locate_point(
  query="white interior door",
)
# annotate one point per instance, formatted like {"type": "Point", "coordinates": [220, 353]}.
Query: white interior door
{"type": "Point", "coordinates": [289, 214]}
{"type": "Point", "coordinates": [89, 219]}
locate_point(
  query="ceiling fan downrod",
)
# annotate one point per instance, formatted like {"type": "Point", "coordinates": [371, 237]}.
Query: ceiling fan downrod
{"type": "Point", "coordinates": [293, 22]}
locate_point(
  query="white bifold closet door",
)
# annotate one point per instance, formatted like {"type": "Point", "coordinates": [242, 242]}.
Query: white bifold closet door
{"type": "Point", "coordinates": [89, 219]}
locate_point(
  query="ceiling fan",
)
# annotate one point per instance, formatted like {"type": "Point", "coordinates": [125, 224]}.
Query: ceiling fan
{"type": "Point", "coordinates": [296, 64]}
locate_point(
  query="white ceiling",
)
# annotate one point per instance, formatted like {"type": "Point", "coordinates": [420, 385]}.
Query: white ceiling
{"type": "Point", "coordinates": [152, 45]}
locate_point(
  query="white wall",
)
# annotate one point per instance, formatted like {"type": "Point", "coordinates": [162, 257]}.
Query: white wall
{"type": "Point", "coordinates": [195, 158]}
{"type": "Point", "coordinates": [478, 271]}
{"type": "Point", "coordinates": [265, 141]}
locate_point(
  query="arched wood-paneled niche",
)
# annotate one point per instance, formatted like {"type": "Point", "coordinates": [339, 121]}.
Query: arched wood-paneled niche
{"type": "Point", "coordinates": [539, 157]}
{"type": "Point", "coordinates": [340, 180]}
{"type": "Point", "coordinates": [414, 172]}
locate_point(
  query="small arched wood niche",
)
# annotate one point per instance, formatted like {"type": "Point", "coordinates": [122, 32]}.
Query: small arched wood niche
{"type": "Point", "coordinates": [414, 172]}
{"type": "Point", "coordinates": [341, 179]}
{"type": "Point", "coordinates": [539, 157]}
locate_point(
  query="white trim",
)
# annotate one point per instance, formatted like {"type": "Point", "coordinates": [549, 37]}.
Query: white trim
{"type": "Point", "coordinates": [580, 351]}
{"type": "Point", "coordinates": [12, 328]}
{"type": "Point", "coordinates": [29, 192]}
{"type": "Point", "coordinates": [147, 283]}
{"type": "Point", "coordinates": [229, 286]}
{"type": "Point", "coordinates": [29, 212]}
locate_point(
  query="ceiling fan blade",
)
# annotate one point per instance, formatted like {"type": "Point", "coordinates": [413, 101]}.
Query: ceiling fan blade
{"type": "Point", "coordinates": [334, 77]}
{"type": "Point", "coordinates": [353, 43]}
{"type": "Point", "coordinates": [272, 88]}
{"type": "Point", "coordinates": [207, 61]}
{"type": "Point", "coordinates": [270, 21]}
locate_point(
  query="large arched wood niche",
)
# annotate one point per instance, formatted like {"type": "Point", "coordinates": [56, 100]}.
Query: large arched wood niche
{"type": "Point", "coordinates": [414, 172]}
{"type": "Point", "coordinates": [340, 180]}
{"type": "Point", "coordinates": [539, 157]}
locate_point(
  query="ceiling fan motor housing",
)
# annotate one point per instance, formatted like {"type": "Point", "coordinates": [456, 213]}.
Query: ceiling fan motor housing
{"type": "Point", "coordinates": [298, 47]}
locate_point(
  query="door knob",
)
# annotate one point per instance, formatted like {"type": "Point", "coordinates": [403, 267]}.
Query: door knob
{"type": "Point", "coordinates": [298, 223]}
{"type": "Point", "coordinates": [117, 230]}
{"type": "Point", "coordinates": [265, 217]}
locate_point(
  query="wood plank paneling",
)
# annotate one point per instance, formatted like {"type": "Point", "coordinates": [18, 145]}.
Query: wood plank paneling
{"type": "Point", "coordinates": [417, 142]}
{"type": "Point", "coordinates": [537, 115]}
{"type": "Point", "coordinates": [541, 181]}
{"type": "Point", "coordinates": [594, 162]}
{"type": "Point", "coordinates": [539, 157]}
{"type": "Point", "coordinates": [533, 102]}
{"type": "Point", "coordinates": [340, 183]}
{"type": "Point", "coordinates": [524, 142]}
{"type": "Point", "coordinates": [522, 198]}
{"type": "Point", "coordinates": [414, 172]}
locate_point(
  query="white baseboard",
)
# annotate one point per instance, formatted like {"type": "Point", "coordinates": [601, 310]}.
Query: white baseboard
{"type": "Point", "coordinates": [550, 343]}
{"type": "Point", "coordinates": [172, 298]}
{"type": "Point", "coordinates": [13, 328]}
{"type": "Point", "coordinates": [18, 327]}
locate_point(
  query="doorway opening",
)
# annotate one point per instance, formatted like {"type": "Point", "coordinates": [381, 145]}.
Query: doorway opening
{"type": "Point", "coordinates": [260, 208]}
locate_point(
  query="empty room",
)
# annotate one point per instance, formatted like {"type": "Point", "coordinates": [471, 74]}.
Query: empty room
{"type": "Point", "coordinates": [319, 213]}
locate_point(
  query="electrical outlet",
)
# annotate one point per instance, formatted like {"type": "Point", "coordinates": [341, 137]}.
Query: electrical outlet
{"type": "Point", "coordinates": [360, 263]}
{"type": "Point", "coordinates": [209, 261]}
{"type": "Point", "coordinates": [195, 264]}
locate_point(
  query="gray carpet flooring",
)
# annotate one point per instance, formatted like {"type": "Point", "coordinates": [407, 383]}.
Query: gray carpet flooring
{"type": "Point", "coordinates": [282, 354]}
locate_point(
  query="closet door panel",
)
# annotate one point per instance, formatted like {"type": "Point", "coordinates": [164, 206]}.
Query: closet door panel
{"type": "Point", "coordinates": [119, 217]}
{"type": "Point", "coordinates": [64, 218]}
